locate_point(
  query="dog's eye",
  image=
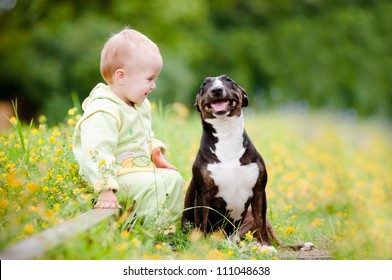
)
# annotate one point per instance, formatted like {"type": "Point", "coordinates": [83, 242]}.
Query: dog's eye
{"type": "Point", "coordinates": [234, 86]}
{"type": "Point", "coordinates": [206, 81]}
{"type": "Point", "coordinates": [227, 78]}
{"type": "Point", "coordinates": [201, 88]}
{"type": "Point", "coordinates": [231, 82]}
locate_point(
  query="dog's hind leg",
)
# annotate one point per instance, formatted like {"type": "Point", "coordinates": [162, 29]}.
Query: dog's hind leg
{"type": "Point", "coordinates": [296, 247]}
{"type": "Point", "coordinates": [272, 234]}
{"type": "Point", "coordinates": [250, 225]}
{"type": "Point", "coordinates": [259, 211]}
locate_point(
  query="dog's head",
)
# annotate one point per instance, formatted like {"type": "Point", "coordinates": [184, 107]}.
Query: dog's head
{"type": "Point", "coordinates": [220, 97]}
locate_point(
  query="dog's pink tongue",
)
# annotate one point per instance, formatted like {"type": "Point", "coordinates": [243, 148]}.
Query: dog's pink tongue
{"type": "Point", "coordinates": [220, 105]}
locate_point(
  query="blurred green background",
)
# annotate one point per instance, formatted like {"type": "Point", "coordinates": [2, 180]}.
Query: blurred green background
{"type": "Point", "coordinates": [333, 54]}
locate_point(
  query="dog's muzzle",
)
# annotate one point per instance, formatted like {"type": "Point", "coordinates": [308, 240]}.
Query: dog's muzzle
{"type": "Point", "coordinates": [220, 102]}
{"type": "Point", "coordinates": [220, 106]}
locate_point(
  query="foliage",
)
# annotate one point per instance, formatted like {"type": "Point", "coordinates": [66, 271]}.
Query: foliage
{"type": "Point", "coordinates": [318, 53]}
{"type": "Point", "coordinates": [39, 182]}
{"type": "Point", "coordinates": [329, 183]}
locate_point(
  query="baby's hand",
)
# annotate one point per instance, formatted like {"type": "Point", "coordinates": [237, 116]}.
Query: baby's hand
{"type": "Point", "coordinates": [107, 199]}
{"type": "Point", "coordinates": [160, 161]}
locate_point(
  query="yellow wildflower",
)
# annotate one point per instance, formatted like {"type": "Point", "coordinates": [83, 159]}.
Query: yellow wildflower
{"type": "Point", "coordinates": [289, 230]}
{"type": "Point", "coordinates": [49, 213]}
{"type": "Point", "coordinates": [56, 207]}
{"type": "Point", "coordinates": [215, 255]}
{"type": "Point", "coordinates": [71, 111]}
{"type": "Point", "coordinates": [32, 187]}
{"type": "Point", "coordinates": [60, 179]}
{"type": "Point", "coordinates": [124, 234]}
{"type": "Point", "coordinates": [3, 203]}
{"type": "Point", "coordinates": [122, 246]}
{"type": "Point", "coordinates": [14, 120]}
{"type": "Point", "coordinates": [29, 228]}
{"type": "Point", "coordinates": [71, 122]}
{"type": "Point", "coordinates": [56, 132]}
{"type": "Point", "coordinates": [249, 235]}
{"type": "Point", "coordinates": [76, 191]}
{"type": "Point", "coordinates": [310, 206]}
{"type": "Point", "coordinates": [317, 222]}
{"type": "Point", "coordinates": [13, 180]}
{"type": "Point", "coordinates": [34, 208]}
{"type": "Point", "coordinates": [264, 251]}
{"type": "Point", "coordinates": [42, 119]}
{"type": "Point", "coordinates": [10, 166]}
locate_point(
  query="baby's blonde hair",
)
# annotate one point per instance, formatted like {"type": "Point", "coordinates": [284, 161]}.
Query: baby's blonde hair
{"type": "Point", "coordinates": [119, 48]}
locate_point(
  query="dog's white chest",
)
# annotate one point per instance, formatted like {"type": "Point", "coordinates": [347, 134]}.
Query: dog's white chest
{"type": "Point", "coordinates": [235, 181]}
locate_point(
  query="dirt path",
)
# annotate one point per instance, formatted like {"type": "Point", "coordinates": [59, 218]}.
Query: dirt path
{"type": "Point", "coordinates": [315, 254]}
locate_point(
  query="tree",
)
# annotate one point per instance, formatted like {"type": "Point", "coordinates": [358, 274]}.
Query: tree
{"type": "Point", "coordinates": [322, 53]}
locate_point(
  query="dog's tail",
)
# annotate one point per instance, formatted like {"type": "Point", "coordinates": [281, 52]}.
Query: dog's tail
{"type": "Point", "coordinates": [250, 225]}
{"type": "Point", "coordinates": [307, 246]}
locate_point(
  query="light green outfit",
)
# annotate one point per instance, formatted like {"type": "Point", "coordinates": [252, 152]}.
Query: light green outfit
{"type": "Point", "coordinates": [113, 143]}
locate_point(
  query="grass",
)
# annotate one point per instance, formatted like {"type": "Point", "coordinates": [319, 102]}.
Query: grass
{"type": "Point", "coordinates": [329, 183]}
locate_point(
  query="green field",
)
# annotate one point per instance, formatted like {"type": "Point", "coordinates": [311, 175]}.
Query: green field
{"type": "Point", "coordinates": [329, 183]}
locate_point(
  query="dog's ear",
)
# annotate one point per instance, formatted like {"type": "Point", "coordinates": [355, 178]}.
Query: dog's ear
{"type": "Point", "coordinates": [197, 102]}
{"type": "Point", "coordinates": [244, 97]}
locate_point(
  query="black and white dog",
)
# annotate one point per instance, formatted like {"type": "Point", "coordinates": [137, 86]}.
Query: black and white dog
{"type": "Point", "coordinates": [227, 190]}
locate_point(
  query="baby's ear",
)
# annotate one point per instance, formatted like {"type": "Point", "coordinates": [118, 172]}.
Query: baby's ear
{"type": "Point", "coordinates": [119, 76]}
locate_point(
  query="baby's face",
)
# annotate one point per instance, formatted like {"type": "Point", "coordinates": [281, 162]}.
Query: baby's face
{"type": "Point", "coordinates": [140, 76]}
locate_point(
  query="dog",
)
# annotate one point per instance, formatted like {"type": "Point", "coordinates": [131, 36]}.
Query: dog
{"type": "Point", "coordinates": [229, 177]}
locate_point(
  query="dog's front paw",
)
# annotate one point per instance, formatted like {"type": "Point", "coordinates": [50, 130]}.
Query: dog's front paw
{"type": "Point", "coordinates": [264, 248]}
{"type": "Point", "coordinates": [268, 249]}
{"type": "Point", "coordinates": [308, 246]}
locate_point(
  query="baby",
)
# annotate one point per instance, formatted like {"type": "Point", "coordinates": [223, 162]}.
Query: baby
{"type": "Point", "coordinates": [114, 143]}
